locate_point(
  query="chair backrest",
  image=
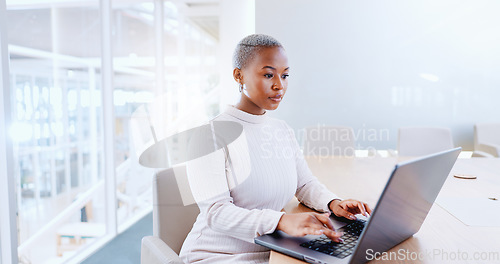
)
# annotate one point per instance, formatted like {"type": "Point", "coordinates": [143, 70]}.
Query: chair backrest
{"type": "Point", "coordinates": [174, 210]}
{"type": "Point", "coordinates": [486, 133]}
{"type": "Point", "coordinates": [328, 141]}
{"type": "Point", "coordinates": [419, 141]}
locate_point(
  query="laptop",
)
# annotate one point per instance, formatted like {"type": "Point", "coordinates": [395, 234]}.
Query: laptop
{"type": "Point", "coordinates": [400, 211]}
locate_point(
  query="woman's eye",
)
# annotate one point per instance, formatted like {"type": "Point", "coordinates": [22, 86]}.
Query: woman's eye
{"type": "Point", "coordinates": [284, 76]}
{"type": "Point", "coordinates": [268, 75]}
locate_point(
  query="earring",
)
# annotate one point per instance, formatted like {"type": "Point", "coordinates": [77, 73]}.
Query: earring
{"type": "Point", "coordinates": [241, 87]}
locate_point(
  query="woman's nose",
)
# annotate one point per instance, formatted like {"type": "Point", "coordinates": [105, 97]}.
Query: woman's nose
{"type": "Point", "coordinates": [278, 85]}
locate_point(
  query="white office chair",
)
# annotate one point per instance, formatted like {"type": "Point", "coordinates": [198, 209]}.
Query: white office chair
{"type": "Point", "coordinates": [172, 219]}
{"type": "Point", "coordinates": [486, 140]}
{"type": "Point", "coordinates": [419, 141]}
{"type": "Point", "coordinates": [328, 141]}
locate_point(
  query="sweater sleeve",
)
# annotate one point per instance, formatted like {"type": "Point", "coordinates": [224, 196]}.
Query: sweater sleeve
{"type": "Point", "coordinates": [209, 183]}
{"type": "Point", "coordinates": [310, 191]}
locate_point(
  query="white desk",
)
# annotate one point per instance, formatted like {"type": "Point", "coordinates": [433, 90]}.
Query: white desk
{"type": "Point", "coordinates": [442, 238]}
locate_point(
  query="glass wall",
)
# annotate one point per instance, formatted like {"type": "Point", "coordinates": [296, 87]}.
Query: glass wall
{"type": "Point", "coordinates": [134, 49]}
{"type": "Point", "coordinates": [161, 93]}
{"type": "Point", "coordinates": [165, 81]}
{"type": "Point", "coordinates": [57, 128]}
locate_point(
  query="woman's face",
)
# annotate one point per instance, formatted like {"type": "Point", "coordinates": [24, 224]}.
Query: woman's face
{"type": "Point", "coordinates": [264, 79]}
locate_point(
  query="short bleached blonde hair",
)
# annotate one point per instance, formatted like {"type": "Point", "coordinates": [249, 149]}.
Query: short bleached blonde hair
{"type": "Point", "coordinates": [248, 47]}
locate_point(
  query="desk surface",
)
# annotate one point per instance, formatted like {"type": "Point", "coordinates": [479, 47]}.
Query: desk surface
{"type": "Point", "coordinates": [442, 237]}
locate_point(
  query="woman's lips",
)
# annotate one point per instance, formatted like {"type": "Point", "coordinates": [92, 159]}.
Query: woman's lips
{"type": "Point", "coordinates": [277, 98]}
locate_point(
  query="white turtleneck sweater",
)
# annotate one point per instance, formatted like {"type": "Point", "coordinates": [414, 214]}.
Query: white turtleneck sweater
{"type": "Point", "coordinates": [241, 195]}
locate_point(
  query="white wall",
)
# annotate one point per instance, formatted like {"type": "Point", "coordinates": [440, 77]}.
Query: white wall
{"type": "Point", "coordinates": [384, 64]}
{"type": "Point", "coordinates": [236, 20]}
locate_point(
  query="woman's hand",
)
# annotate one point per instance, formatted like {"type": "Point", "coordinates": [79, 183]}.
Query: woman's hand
{"type": "Point", "coordinates": [302, 224]}
{"type": "Point", "coordinates": [349, 208]}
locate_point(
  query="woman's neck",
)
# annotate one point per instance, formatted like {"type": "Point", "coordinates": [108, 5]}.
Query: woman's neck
{"type": "Point", "coordinates": [248, 106]}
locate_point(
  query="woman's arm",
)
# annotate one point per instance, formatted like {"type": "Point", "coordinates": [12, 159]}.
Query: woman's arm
{"type": "Point", "coordinates": [207, 178]}
{"type": "Point", "coordinates": [315, 195]}
{"type": "Point", "coordinates": [310, 191]}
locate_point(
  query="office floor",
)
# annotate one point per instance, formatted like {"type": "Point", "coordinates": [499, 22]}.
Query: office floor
{"type": "Point", "coordinates": [126, 247]}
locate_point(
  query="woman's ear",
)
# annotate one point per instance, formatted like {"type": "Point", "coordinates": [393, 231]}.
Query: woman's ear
{"type": "Point", "coordinates": [238, 76]}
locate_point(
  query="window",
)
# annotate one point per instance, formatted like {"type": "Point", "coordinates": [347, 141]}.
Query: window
{"type": "Point", "coordinates": [57, 112]}
{"type": "Point", "coordinates": [56, 129]}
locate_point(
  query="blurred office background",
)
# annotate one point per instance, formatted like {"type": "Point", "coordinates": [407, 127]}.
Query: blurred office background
{"type": "Point", "coordinates": [88, 85]}
{"type": "Point", "coordinates": [379, 65]}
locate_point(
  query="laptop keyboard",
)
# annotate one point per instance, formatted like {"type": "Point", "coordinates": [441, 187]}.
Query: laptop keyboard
{"type": "Point", "coordinates": [323, 244]}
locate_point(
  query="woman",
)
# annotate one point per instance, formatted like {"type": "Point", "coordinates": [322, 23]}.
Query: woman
{"type": "Point", "coordinates": [242, 189]}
